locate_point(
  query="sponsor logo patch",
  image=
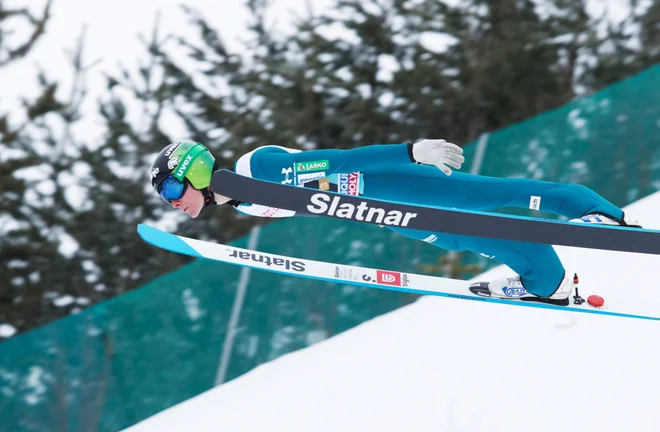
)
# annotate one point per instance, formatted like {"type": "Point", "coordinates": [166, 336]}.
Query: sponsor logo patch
{"type": "Point", "coordinates": [430, 239]}
{"type": "Point", "coordinates": [388, 278]}
{"type": "Point", "coordinates": [184, 166]}
{"type": "Point", "coordinates": [324, 184]}
{"type": "Point", "coordinates": [286, 172]}
{"type": "Point", "coordinates": [535, 202]}
{"type": "Point", "coordinates": [514, 292]}
{"type": "Point", "coordinates": [268, 260]}
{"type": "Point", "coordinates": [321, 203]}
{"type": "Point", "coordinates": [304, 178]}
{"type": "Point", "coordinates": [270, 212]}
{"type": "Point", "coordinates": [171, 149]}
{"type": "Point", "coordinates": [349, 184]}
{"type": "Point", "coordinates": [346, 273]}
{"type": "Point", "coordinates": [320, 165]}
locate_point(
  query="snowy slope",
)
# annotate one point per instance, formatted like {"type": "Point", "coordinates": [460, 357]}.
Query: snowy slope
{"type": "Point", "coordinates": [449, 365]}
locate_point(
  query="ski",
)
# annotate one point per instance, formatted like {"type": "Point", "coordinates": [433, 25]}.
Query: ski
{"type": "Point", "coordinates": [307, 201]}
{"type": "Point", "coordinates": [353, 275]}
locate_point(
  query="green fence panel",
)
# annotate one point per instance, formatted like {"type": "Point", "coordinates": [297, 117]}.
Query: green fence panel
{"type": "Point", "coordinates": [125, 359]}
{"type": "Point", "coordinates": [607, 141]}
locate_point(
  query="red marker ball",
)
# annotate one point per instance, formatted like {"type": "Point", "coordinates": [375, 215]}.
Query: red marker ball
{"type": "Point", "coordinates": [596, 300]}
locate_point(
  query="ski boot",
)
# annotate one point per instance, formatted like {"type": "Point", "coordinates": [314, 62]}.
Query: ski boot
{"type": "Point", "coordinates": [512, 288]}
{"type": "Point", "coordinates": [603, 219]}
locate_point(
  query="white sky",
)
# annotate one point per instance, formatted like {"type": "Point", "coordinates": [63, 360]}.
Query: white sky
{"type": "Point", "coordinates": [112, 29]}
{"type": "Point", "coordinates": [450, 365]}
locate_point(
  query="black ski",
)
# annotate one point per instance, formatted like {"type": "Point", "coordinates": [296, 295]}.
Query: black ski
{"type": "Point", "coordinates": [357, 208]}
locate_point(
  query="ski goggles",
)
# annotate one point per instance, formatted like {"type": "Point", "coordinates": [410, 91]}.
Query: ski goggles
{"type": "Point", "coordinates": [171, 189]}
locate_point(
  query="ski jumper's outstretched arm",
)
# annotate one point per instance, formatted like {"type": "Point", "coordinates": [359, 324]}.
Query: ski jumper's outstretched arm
{"type": "Point", "coordinates": [268, 163]}
{"type": "Point", "coordinates": [290, 166]}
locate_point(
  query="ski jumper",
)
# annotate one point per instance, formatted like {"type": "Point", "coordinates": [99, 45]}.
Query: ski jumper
{"type": "Point", "coordinates": [388, 172]}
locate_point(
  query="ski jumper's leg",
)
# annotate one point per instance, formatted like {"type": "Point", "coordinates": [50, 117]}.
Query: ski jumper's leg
{"type": "Point", "coordinates": [537, 264]}
{"type": "Point", "coordinates": [426, 185]}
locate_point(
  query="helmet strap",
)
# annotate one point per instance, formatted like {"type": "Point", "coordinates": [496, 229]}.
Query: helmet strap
{"type": "Point", "coordinates": [209, 198]}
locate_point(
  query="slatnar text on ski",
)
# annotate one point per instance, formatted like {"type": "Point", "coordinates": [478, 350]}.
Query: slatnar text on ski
{"type": "Point", "coordinates": [319, 205]}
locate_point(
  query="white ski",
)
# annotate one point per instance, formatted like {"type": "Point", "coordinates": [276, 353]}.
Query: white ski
{"type": "Point", "coordinates": [347, 274]}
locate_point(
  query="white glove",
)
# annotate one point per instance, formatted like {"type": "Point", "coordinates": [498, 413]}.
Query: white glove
{"type": "Point", "coordinates": [438, 152]}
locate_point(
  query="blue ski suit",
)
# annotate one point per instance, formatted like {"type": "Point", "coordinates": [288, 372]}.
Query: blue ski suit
{"type": "Point", "coordinates": [388, 172]}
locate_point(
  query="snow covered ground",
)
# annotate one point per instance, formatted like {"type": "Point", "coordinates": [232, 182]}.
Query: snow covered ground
{"type": "Point", "coordinates": [450, 365]}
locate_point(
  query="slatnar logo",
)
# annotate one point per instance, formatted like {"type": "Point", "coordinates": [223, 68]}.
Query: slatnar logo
{"type": "Point", "coordinates": [298, 266]}
{"type": "Point", "coordinates": [361, 212]}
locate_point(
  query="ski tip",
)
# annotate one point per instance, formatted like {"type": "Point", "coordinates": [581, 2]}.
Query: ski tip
{"type": "Point", "coordinates": [144, 230]}
{"type": "Point", "coordinates": [150, 234]}
{"type": "Point", "coordinates": [166, 241]}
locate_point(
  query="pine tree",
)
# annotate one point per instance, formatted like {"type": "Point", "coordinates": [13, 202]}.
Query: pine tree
{"type": "Point", "coordinates": [33, 265]}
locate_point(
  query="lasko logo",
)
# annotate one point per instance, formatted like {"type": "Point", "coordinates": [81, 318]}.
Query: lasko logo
{"type": "Point", "coordinates": [349, 184]}
{"type": "Point", "coordinates": [319, 205]}
{"type": "Point", "coordinates": [268, 260]}
{"type": "Point", "coordinates": [388, 278]}
{"type": "Point", "coordinates": [312, 166]}
{"type": "Point", "coordinates": [184, 165]}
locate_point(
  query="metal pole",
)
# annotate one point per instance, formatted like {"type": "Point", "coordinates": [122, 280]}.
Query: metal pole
{"type": "Point", "coordinates": [236, 311]}
{"type": "Point", "coordinates": [479, 154]}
